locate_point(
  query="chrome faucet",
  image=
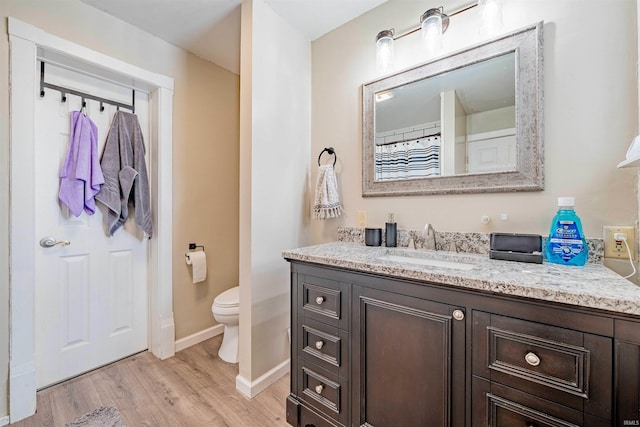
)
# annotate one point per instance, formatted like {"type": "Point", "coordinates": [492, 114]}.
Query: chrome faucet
{"type": "Point", "coordinates": [429, 235]}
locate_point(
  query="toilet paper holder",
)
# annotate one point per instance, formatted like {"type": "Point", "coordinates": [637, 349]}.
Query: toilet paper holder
{"type": "Point", "coordinates": [193, 247]}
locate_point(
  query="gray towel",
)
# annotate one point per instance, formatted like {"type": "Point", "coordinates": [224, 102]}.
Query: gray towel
{"type": "Point", "coordinates": [125, 175]}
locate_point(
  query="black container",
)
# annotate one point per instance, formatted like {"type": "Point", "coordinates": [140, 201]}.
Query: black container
{"type": "Point", "coordinates": [373, 236]}
{"type": "Point", "coordinates": [391, 235]}
{"type": "Point", "coordinates": [516, 247]}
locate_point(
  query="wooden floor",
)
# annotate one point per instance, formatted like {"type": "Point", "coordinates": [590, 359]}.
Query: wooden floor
{"type": "Point", "coordinates": [193, 388]}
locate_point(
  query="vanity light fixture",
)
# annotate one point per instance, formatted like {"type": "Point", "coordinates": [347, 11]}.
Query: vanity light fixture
{"type": "Point", "coordinates": [384, 50]}
{"type": "Point", "coordinates": [383, 96]}
{"type": "Point", "coordinates": [433, 23]}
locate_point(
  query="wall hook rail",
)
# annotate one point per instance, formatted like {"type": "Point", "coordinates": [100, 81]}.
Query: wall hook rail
{"type": "Point", "coordinates": [64, 91]}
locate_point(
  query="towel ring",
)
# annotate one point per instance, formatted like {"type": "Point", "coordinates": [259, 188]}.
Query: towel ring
{"type": "Point", "coordinates": [331, 151]}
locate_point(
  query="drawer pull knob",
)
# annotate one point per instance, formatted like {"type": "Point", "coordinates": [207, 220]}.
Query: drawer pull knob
{"type": "Point", "coordinates": [319, 345]}
{"type": "Point", "coordinates": [532, 359]}
{"type": "Point", "coordinates": [319, 388]}
{"type": "Point", "coordinates": [458, 314]}
{"type": "Point", "coordinates": [319, 300]}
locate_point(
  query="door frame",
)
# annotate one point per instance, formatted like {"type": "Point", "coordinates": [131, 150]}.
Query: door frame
{"type": "Point", "coordinates": [27, 43]}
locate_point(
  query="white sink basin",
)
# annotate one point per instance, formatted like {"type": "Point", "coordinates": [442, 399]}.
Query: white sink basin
{"type": "Point", "coordinates": [427, 262]}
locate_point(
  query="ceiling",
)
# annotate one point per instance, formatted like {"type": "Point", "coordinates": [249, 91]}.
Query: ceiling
{"type": "Point", "coordinates": [210, 29]}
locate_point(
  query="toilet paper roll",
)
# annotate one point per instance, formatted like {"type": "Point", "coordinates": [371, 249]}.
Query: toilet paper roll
{"type": "Point", "coordinates": [198, 261]}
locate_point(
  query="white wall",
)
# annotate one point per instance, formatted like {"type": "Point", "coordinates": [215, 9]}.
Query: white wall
{"type": "Point", "coordinates": [4, 247]}
{"type": "Point", "coordinates": [275, 138]}
{"type": "Point", "coordinates": [591, 115]}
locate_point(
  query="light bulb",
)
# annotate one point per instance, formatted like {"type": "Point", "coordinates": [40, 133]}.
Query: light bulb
{"type": "Point", "coordinates": [490, 17]}
{"type": "Point", "coordinates": [384, 50]}
{"type": "Point", "coordinates": [431, 26]}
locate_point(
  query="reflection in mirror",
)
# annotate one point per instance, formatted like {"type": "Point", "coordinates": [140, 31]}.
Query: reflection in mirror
{"type": "Point", "coordinates": [458, 122]}
{"type": "Point", "coordinates": [467, 122]}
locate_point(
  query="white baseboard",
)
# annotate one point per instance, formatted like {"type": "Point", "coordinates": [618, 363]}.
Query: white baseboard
{"type": "Point", "coordinates": [168, 334]}
{"type": "Point", "coordinates": [198, 337]}
{"type": "Point", "coordinates": [4, 421]}
{"type": "Point", "coordinates": [251, 389]}
{"type": "Point", "coordinates": [22, 391]}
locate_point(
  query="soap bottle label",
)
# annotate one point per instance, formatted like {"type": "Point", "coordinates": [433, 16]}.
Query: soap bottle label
{"type": "Point", "coordinates": [566, 242]}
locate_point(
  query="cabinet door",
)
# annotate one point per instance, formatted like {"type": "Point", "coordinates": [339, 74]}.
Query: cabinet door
{"type": "Point", "coordinates": [627, 373]}
{"type": "Point", "coordinates": [409, 361]}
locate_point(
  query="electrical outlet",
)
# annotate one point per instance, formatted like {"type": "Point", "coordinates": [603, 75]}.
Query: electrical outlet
{"type": "Point", "coordinates": [614, 248]}
{"type": "Point", "coordinates": [362, 219]}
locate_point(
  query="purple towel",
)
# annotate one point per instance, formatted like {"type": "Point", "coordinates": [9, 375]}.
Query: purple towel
{"type": "Point", "coordinates": [81, 175]}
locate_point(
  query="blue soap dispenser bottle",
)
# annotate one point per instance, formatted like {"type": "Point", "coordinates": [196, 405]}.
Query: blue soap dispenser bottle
{"type": "Point", "coordinates": [566, 244]}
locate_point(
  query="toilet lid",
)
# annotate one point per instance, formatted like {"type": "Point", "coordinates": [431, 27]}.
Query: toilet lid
{"type": "Point", "coordinates": [229, 298]}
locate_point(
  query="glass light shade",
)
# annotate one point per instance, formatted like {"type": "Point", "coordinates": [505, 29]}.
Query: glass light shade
{"type": "Point", "coordinates": [431, 29]}
{"type": "Point", "coordinates": [490, 17]}
{"type": "Point", "coordinates": [384, 50]}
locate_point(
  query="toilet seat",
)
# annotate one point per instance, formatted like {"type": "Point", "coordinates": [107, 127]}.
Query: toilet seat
{"type": "Point", "coordinates": [226, 311]}
{"type": "Point", "coordinates": [228, 299]}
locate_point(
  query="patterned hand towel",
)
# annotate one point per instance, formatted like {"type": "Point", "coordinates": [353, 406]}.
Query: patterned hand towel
{"type": "Point", "coordinates": [327, 201]}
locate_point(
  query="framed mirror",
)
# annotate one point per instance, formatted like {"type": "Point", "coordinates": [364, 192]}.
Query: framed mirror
{"type": "Point", "coordinates": [469, 122]}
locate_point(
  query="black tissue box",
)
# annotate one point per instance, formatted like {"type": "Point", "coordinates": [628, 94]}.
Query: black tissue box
{"type": "Point", "coordinates": [516, 247]}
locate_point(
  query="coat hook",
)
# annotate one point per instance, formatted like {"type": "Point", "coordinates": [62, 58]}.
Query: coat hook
{"type": "Point", "coordinates": [64, 97]}
{"type": "Point", "coordinates": [41, 93]}
{"type": "Point", "coordinates": [101, 107]}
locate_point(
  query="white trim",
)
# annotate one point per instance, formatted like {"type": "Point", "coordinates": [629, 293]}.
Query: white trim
{"type": "Point", "coordinates": [251, 389]}
{"type": "Point", "coordinates": [26, 43]}
{"type": "Point", "coordinates": [198, 337]}
{"type": "Point", "coordinates": [491, 134]}
{"type": "Point", "coordinates": [88, 56]}
{"type": "Point", "coordinates": [4, 421]}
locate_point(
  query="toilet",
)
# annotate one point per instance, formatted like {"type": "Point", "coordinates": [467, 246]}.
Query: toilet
{"type": "Point", "coordinates": [226, 311]}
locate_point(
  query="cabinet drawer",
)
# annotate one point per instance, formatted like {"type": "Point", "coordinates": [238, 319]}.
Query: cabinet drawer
{"type": "Point", "coordinates": [323, 390]}
{"type": "Point", "coordinates": [308, 418]}
{"type": "Point", "coordinates": [532, 358]}
{"type": "Point", "coordinates": [505, 413]}
{"type": "Point", "coordinates": [562, 365]}
{"type": "Point", "coordinates": [325, 345]}
{"type": "Point", "coordinates": [325, 300]}
{"type": "Point", "coordinates": [495, 405]}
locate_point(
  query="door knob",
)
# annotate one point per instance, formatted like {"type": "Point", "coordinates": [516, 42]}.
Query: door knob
{"type": "Point", "coordinates": [48, 241]}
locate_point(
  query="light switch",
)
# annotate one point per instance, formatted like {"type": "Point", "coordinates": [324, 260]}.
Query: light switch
{"type": "Point", "coordinates": [362, 219]}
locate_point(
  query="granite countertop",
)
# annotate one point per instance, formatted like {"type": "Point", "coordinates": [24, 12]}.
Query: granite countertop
{"type": "Point", "coordinates": [593, 285]}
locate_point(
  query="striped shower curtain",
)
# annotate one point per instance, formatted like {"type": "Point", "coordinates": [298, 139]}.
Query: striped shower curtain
{"type": "Point", "coordinates": [408, 159]}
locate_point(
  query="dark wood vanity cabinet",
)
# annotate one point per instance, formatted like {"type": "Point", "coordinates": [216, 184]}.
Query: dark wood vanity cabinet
{"type": "Point", "coordinates": [406, 350]}
{"type": "Point", "coordinates": [320, 356]}
{"type": "Point", "coordinates": [627, 373]}
{"type": "Point", "coordinates": [369, 350]}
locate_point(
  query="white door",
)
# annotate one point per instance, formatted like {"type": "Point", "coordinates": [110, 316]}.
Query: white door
{"type": "Point", "coordinates": [492, 152]}
{"type": "Point", "coordinates": [90, 296]}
